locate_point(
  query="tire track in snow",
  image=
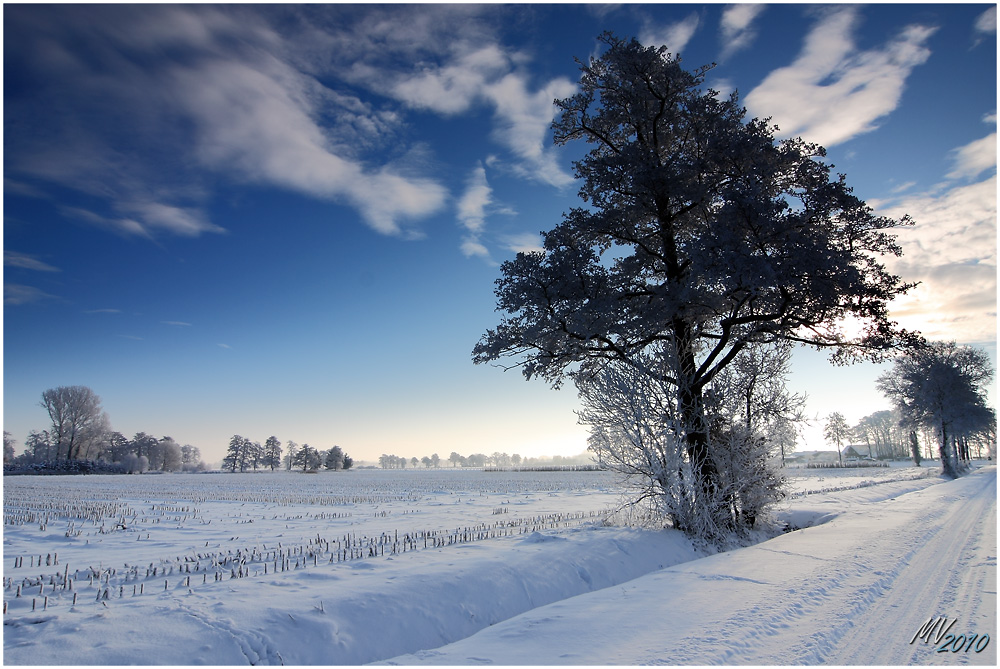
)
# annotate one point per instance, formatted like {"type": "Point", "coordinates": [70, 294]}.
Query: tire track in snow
{"type": "Point", "coordinates": [851, 614]}
{"type": "Point", "coordinates": [937, 571]}
{"type": "Point", "coordinates": [845, 610]}
{"type": "Point", "coordinates": [817, 589]}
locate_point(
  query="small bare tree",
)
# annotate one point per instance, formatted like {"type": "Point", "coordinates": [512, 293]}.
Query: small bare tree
{"type": "Point", "coordinates": [836, 430]}
{"type": "Point", "coordinates": [8, 447]}
{"type": "Point", "coordinates": [78, 421]}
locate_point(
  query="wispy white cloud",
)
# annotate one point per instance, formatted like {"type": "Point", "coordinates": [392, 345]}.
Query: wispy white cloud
{"type": "Point", "coordinates": [102, 123]}
{"type": "Point", "coordinates": [456, 85]}
{"type": "Point", "coordinates": [986, 23]}
{"type": "Point", "coordinates": [258, 120]}
{"type": "Point", "coordinates": [833, 92]}
{"type": "Point", "coordinates": [305, 98]}
{"type": "Point", "coordinates": [472, 247]}
{"type": "Point", "coordinates": [736, 29]}
{"type": "Point", "coordinates": [448, 59]}
{"type": "Point", "coordinates": [952, 251]}
{"type": "Point", "coordinates": [14, 187]}
{"type": "Point", "coordinates": [974, 158]}
{"type": "Point", "coordinates": [487, 75]}
{"type": "Point", "coordinates": [523, 120]}
{"type": "Point", "coordinates": [121, 226]}
{"type": "Point", "coordinates": [674, 36]}
{"type": "Point", "coordinates": [24, 261]}
{"type": "Point", "coordinates": [177, 323]}
{"type": "Point", "coordinates": [477, 197]}
{"type": "Point", "coordinates": [147, 219]}
{"type": "Point", "coordinates": [180, 221]}
{"type": "Point", "coordinates": [231, 102]}
{"type": "Point", "coordinates": [15, 294]}
{"type": "Point", "coordinates": [473, 208]}
{"type": "Point", "coordinates": [471, 212]}
{"type": "Point", "coordinates": [903, 187]}
{"type": "Point", "coordinates": [103, 311]}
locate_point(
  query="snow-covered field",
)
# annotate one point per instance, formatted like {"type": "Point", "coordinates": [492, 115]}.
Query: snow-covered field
{"type": "Point", "coordinates": [459, 567]}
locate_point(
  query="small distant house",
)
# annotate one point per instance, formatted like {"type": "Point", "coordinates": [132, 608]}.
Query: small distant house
{"type": "Point", "coordinates": [810, 457]}
{"type": "Point", "coordinates": [851, 453]}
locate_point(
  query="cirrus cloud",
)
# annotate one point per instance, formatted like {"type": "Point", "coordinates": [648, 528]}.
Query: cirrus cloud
{"type": "Point", "coordinates": [974, 158]}
{"type": "Point", "coordinates": [218, 81]}
{"type": "Point", "coordinates": [25, 261]}
{"type": "Point", "coordinates": [15, 294]}
{"type": "Point", "coordinates": [737, 27]}
{"type": "Point", "coordinates": [471, 211]}
{"type": "Point", "coordinates": [986, 23]}
{"type": "Point", "coordinates": [674, 36]}
{"type": "Point", "coordinates": [293, 97]}
{"type": "Point", "coordinates": [448, 60]}
{"type": "Point", "coordinates": [951, 251]}
{"type": "Point", "coordinates": [832, 92]}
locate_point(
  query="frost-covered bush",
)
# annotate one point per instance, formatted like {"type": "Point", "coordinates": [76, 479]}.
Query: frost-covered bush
{"type": "Point", "coordinates": [749, 482]}
{"type": "Point", "coordinates": [635, 430]}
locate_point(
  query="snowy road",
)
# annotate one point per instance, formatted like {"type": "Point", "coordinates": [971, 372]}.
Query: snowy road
{"type": "Point", "coordinates": [853, 591]}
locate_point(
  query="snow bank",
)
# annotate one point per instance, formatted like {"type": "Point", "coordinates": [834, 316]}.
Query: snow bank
{"type": "Point", "coordinates": [366, 611]}
{"type": "Point", "coordinates": [855, 590]}
{"type": "Point", "coordinates": [544, 546]}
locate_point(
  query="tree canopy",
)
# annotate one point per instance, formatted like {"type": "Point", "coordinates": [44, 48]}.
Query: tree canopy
{"type": "Point", "coordinates": [940, 387]}
{"type": "Point", "coordinates": [701, 230]}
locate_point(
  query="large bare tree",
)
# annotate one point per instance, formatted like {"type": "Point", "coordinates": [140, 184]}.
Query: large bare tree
{"type": "Point", "coordinates": [702, 234]}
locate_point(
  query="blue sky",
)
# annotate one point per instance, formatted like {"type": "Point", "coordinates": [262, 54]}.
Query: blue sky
{"type": "Point", "coordinates": [288, 219]}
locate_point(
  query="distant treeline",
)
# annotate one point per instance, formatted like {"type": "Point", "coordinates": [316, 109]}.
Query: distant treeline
{"type": "Point", "coordinates": [496, 462]}
{"type": "Point", "coordinates": [846, 465]}
{"type": "Point", "coordinates": [113, 453]}
{"type": "Point", "coordinates": [547, 468]}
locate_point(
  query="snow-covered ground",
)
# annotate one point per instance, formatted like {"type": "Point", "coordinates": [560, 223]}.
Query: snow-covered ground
{"type": "Point", "coordinates": [459, 567]}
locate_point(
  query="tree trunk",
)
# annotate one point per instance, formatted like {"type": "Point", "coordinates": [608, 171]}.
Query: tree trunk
{"type": "Point", "coordinates": [947, 464]}
{"type": "Point", "coordinates": [695, 425]}
{"type": "Point", "coordinates": [915, 447]}
{"type": "Point", "coordinates": [698, 446]}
